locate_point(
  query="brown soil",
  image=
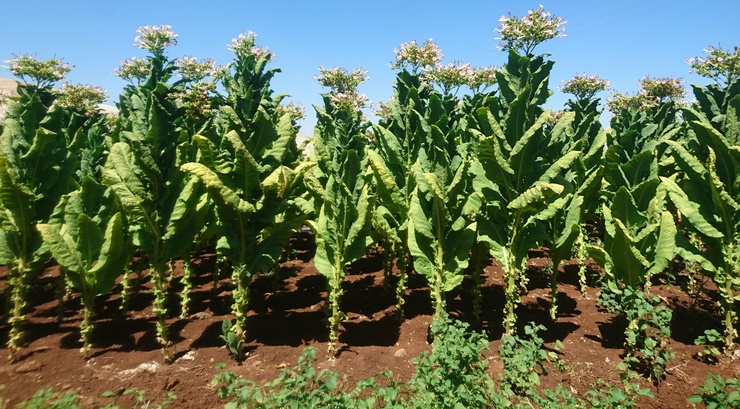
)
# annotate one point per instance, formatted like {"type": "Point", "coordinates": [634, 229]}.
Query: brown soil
{"type": "Point", "coordinates": [287, 314]}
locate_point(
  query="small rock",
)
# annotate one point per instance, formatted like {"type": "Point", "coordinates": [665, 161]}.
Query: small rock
{"type": "Point", "coordinates": [189, 356]}
{"type": "Point", "coordinates": [201, 315]}
{"type": "Point", "coordinates": [89, 402]}
{"type": "Point", "coordinates": [169, 384]}
{"type": "Point", "coordinates": [30, 366]}
{"type": "Point", "coordinates": [150, 367]}
{"type": "Point", "coordinates": [401, 353]}
{"type": "Point", "coordinates": [736, 355]}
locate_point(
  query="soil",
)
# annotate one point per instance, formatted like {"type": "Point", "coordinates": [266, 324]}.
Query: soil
{"type": "Point", "coordinates": [287, 314]}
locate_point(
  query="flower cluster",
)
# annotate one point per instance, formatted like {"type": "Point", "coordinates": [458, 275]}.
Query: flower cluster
{"type": "Point", "coordinates": [384, 110]}
{"type": "Point", "coordinates": [341, 80]}
{"type": "Point", "coordinates": [527, 32]}
{"type": "Point", "coordinates": [722, 66]}
{"type": "Point", "coordinates": [348, 101]}
{"type": "Point", "coordinates": [245, 46]}
{"type": "Point", "coordinates": [5, 96]}
{"type": "Point", "coordinates": [197, 100]}
{"type": "Point", "coordinates": [133, 69]}
{"type": "Point", "coordinates": [458, 74]}
{"type": "Point", "coordinates": [80, 97]}
{"type": "Point", "coordinates": [653, 92]}
{"type": "Point", "coordinates": [417, 56]}
{"type": "Point", "coordinates": [155, 38]}
{"type": "Point", "coordinates": [554, 117]}
{"type": "Point", "coordinates": [451, 76]}
{"type": "Point", "coordinates": [584, 87]}
{"type": "Point", "coordinates": [343, 85]}
{"type": "Point", "coordinates": [295, 110]}
{"type": "Point", "coordinates": [663, 88]}
{"type": "Point", "coordinates": [641, 101]}
{"type": "Point", "coordinates": [482, 77]}
{"type": "Point", "coordinates": [193, 70]}
{"type": "Point", "coordinates": [43, 72]}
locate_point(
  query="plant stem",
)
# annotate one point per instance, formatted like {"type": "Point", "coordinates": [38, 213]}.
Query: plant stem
{"type": "Point", "coordinates": [335, 292]}
{"type": "Point", "coordinates": [158, 273]}
{"type": "Point", "coordinates": [86, 327]}
{"type": "Point", "coordinates": [241, 301]}
{"type": "Point", "coordinates": [17, 296]}
{"type": "Point", "coordinates": [61, 291]}
{"type": "Point", "coordinates": [729, 306]}
{"type": "Point", "coordinates": [125, 289]}
{"type": "Point", "coordinates": [553, 292]}
{"type": "Point", "coordinates": [479, 253]}
{"type": "Point", "coordinates": [403, 267]}
{"type": "Point", "coordinates": [187, 288]}
{"type": "Point", "coordinates": [581, 256]}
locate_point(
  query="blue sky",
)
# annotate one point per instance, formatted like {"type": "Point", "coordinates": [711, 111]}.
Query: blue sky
{"type": "Point", "coordinates": [619, 40]}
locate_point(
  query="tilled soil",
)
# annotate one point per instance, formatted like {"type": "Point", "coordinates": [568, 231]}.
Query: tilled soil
{"type": "Point", "coordinates": [287, 314]}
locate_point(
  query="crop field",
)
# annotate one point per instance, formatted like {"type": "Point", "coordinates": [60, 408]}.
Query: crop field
{"type": "Point", "coordinates": [466, 247]}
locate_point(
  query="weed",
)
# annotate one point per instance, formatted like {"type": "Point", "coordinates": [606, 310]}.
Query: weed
{"type": "Point", "coordinates": [233, 342]}
{"type": "Point", "coordinates": [712, 341]}
{"type": "Point", "coordinates": [718, 392]}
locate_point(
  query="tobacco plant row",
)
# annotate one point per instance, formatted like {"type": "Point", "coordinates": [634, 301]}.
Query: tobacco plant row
{"type": "Point", "coordinates": [441, 183]}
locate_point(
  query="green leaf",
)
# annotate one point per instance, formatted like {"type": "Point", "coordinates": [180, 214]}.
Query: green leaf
{"type": "Point", "coordinates": [690, 209]}
{"type": "Point", "coordinates": [561, 164]}
{"type": "Point", "coordinates": [63, 249]}
{"type": "Point", "coordinates": [217, 187]}
{"type": "Point", "coordinates": [665, 248]}
{"type": "Point", "coordinates": [112, 257]}
{"type": "Point", "coordinates": [631, 265]}
{"type": "Point", "coordinates": [624, 208]}
{"type": "Point", "coordinates": [89, 240]}
{"type": "Point", "coordinates": [536, 195]}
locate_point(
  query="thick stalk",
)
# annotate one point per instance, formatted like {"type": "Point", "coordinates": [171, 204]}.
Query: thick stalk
{"type": "Point", "coordinates": [86, 327]}
{"type": "Point", "coordinates": [512, 299]}
{"type": "Point", "coordinates": [187, 283]}
{"type": "Point", "coordinates": [158, 273]}
{"type": "Point", "coordinates": [440, 303]}
{"type": "Point", "coordinates": [60, 292]}
{"type": "Point", "coordinates": [336, 316]}
{"type": "Point", "coordinates": [511, 294]}
{"type": "Point", "coordinates": [729, 307]}
{"type": "Point", "coordinates": [125, 288]}
{"type": "Point", "coordinates": [581, 256]}
{"type": "Point", "coordinates": [18, 300]}
{"type": "Point", "coordinates": [553, 291]}
{"type": "Point", "coordinates": [389, 252]}
{"type": "Point", "coordinates": [478, 257]}
{"type": "Point", "coordinates": [403, 266]}
{"type": "Point", "coordinates": [240, 278]}
{"type": "Point", "coordinates": [218, 269]}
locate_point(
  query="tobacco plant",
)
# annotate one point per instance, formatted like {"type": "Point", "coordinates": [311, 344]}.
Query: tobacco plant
{"type": "Point", "coordinates": [159, 203]}
{"type": "Point", "coordinates": [86, 238]}
{"type": "Point", "coordinates": [35, 171]}
{"type": "Point", "coordinates": [396, 146]}
{"type": "Point", "coordinates": [521, 189]}
{"type": "Point", "coordinates": [576, 129]}
{"type": "Point", "coordinates": [340, 182]}
{"type": "Point", "coordinates": [707, 198]}
{"type": "Point", "coordinates": [251, 169]}
{"type": "Point", "coordinates": [442, 224]}
{"type": "Point", "coordinates": [585, 175]}
{"type": "Point", "coordinates": [640, 241]}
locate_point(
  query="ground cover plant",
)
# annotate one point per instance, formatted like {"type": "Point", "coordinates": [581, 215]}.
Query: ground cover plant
{"type": "Point", "coordinates": [449, 196]}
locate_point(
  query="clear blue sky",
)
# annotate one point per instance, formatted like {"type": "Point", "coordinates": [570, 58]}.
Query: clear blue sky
{"type": "Point", "coordinates": [620, 40]}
